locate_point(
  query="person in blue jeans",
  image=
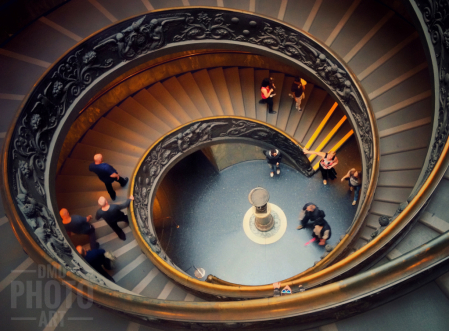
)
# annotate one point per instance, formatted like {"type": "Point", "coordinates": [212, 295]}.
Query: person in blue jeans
{"type": "Point", "coordinates": [107, 174]}
{"type": "Point", "coordinates": [354, 179]}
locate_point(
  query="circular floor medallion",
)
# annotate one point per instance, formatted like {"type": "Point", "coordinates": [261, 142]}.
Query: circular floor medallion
{"type": "Point", "coordinates": [268, 237]}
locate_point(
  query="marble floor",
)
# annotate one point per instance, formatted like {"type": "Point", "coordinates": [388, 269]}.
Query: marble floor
{"type": "Point", "coordinates": [209, 208]}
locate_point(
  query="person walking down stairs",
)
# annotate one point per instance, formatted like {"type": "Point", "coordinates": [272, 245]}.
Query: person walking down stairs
{"type": "Point", "coordinates": [97, 260]}
{"type": "Point", "coordinates": [267, 93]}
{"type": "Point", "coordinates": [112, 214]}
{"type": "Point", "coordinates": [297, 91]}
{"type": "Point", "coordinates": [107, 174]}
{"type": "Point", "coordinates": [79, 225]}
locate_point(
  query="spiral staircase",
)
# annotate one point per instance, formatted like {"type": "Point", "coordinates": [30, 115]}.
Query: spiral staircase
{"type": "Point", "coordinates": [381, 47]}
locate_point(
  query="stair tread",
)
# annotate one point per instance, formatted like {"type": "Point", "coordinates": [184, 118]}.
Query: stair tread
{"type": "Point", "coordinates": [134, 108]}
{"type": "Point", "coordinates": [189, 84]}
{"type": "Point", "coordinates": [169, 102]}
{"type": "Point", "coordinates": [207, 89]}
{"type": "Point", "coordinates": [87, 152]}
{"type": "Point", "coordinates": [235, 90]}
{"type": "Point", "coordinates": [110, 128]}
{"type": "Point", "coordinates": [173, 86]}
{"type": "Point", "coordinates": [249, 98]}
{"type": "Point", "coordinates": [316, 100]}
{"type": "Point", "coordinates": [322, 112]}
{"type": "Point", "coordinates": [218, 80]}
{"type": "Point", "coordinates": [151, 103]}
{"type": "Point", "coordinates": [402, 178]}
{"type": "Point", "coordinates": [97, 139]}
{"type": "Point", "coordinates": [121, 117]}
{"type": "Point", "coordinates": [286, 104]}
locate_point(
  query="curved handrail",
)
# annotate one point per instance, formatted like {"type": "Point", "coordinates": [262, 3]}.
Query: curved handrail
{"type": "Point", "coordinates": [30, 145]}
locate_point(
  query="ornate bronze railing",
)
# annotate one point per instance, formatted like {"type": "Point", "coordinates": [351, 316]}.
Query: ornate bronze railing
{"type": "Point", "coordinates": [32, 145]}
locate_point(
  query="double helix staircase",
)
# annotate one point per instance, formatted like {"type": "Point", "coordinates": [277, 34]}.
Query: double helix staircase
{"type": "Point", "coordinates": [381, 48]}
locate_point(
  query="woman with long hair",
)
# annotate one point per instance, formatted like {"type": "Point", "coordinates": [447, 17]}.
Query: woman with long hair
{"type": "Point", "coordinates": [327, 163]}
{"type": "Point", "coordinates": [267, 93]}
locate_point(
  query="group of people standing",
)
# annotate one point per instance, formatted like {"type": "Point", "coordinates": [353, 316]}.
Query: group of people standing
{"type": "Point", "coordinates": [268, 91]}
{"type": "Point", "coordinates": [98, 258]}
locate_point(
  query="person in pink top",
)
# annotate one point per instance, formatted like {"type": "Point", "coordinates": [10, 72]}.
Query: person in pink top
{"type": "Point", "coordinates": [327, 163]}
{"type": "Point", "coordinates": [267, 93]}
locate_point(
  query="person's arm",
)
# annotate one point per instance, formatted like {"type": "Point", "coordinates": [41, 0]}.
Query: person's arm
{"type": "Point", "coordinates": [126, 203]}
{"type": "Point", "coordinates": [306, 151]}
{"type": "Point", "coordinates": [266, 91]}
{"type": "Point", "coordinates": [346, 176]}
{"type": "Point", "coordinates": [334, 163]}
{"type": "Point", "coordinates": [88, 218]}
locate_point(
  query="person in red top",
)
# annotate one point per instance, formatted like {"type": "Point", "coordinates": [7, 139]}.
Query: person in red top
{"type": "Point", "coordinates": [327, 163]}
{"type": "Point", "coordinates": [267, 93]}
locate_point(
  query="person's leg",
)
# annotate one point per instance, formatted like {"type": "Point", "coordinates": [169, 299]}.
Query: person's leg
{"type": "Point", "coordinates": [304, 221]}
{"type": "Point", "coordinates": [103, 272]}
{"type": "Point", "coordinates": [92, 238]}
{"type": "Point", "coordinates": [110, 191]}
{"type": "Point", "coordinates": [123, 181]}
{"type": "Point", "coordinates": [273, 169]}
{"type": "Point", "coordinates": [118, 231]}
{"type": "Point", "coordinates": [356, 194]}
{"type": "Point", "coordinates": [270, 104]}
{"type": "Point", "coordinates": [324, 174]}
{"type": "Point", "coordinates": [123, 218]}
{"type": "Point", "coordinates": [278, 169]}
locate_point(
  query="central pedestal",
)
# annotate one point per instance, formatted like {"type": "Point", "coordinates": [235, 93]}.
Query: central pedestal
{"type": "Point", "coordinates": [259, 197]}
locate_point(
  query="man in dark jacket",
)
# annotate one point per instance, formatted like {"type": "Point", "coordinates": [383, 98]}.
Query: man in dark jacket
{"type": "Point", "coordinates": [97, 260]}
{"type": "Point", "coordinates": [79, 225]}
{"type": "Point", "coordinates": [112, 214]}
{"type": "Point", "coordinates": [107, 174]}
{"type": "Point", "coordinates": [274, 160]}
{"type": "Point", "coordinates": [310, 212]}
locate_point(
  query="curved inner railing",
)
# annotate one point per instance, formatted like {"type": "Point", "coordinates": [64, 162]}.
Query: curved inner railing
{"type": "Point", "coordinates": [48, 111]}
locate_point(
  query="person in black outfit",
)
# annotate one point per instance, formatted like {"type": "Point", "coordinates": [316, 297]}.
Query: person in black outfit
{"type": "Point", "coordinates": [310, 212]}
{"type": "Point", "coordinates": [112, 214]}
{"type": "Point", "coordinates": [267, 93]}
{"type": "Point", "coordinates": [321, 231]}
{"type": "Point", "coordinates": [107, 174]}
{"type": "Point", "coordinates": [97, 260]}
{"type": "Point", "coordinates": [79, 225]}
{"type": "Point", "coordinates": [274, 160]}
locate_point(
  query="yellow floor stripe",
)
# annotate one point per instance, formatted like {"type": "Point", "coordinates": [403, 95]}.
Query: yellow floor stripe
{"type": "Point", "coordinates": [321, 126]}
{"type": "Point", "coordinates": [336, 147]}
{"type": "Point", "coordinates": [328, 137]}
